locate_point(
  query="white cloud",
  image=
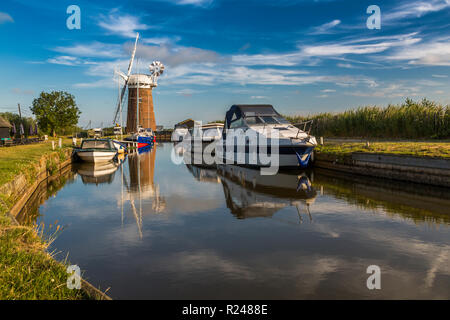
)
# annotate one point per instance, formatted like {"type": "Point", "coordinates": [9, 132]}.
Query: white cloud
{"type": "Point", "coordinates": [65, 60]}
{"type": "Point", "coordinates": [160, 40]}
{"type": "Point", "coordinates": [122, 24]}
{"type": "Point", "coordinates": [198, 3]}
{"type": "Point", "coordinates": [358, 46]}
{"type": "Point", "coordinates": [362, 46]}
{"type": "Point", "coordinates": [258, 97]}
{"type": "Point", "coordinates": [4, 18]}
{"type": "Point", "coordinates": [188, 92]}
{"type": "Point", "coordinates": [433, 53]}
{"type": "Point", "coordinates": [177, 55]}
{"type": "Point", "coordinates": [101, 83]}
{"type": "Point", "coordinates": [325, 28]}
{"type": "Point", "coordinates": [394, 90]}
{"type": "Point", "coordinates": [439, 76]}
{"type": "Point", "coordinates": [328, 90]}
{"type": "Point", "coordinates": [345, 65]}
{"type": "Point", "coordinates": [414, 9]}
{"type": "Point", "coordinates": [284, 60]}
{"type": "Point", "coordinates": [94, 49]}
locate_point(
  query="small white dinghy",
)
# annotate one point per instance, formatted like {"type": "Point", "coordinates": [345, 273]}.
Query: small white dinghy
{"type": "Point", "coordinates": [96, 150]}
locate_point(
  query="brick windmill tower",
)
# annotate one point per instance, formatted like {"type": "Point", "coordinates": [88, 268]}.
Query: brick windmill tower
{"type": "Point", "coordinates": [140, 99]}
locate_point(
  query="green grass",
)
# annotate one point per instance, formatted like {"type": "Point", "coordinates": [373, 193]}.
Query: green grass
{"type": "Point", "coordinates": [27, 270]}
{"type": "Point", "coordinates": [410, 120]}
{"type": "Point", "coordinates": [421, 149]}
{"type": "Point", "coordinates": [22, 159]}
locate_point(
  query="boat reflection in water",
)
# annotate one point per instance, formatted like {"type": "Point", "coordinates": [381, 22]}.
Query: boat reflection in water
{"type": "Point", "coordinates": [249, 194]}
{"type": "Point", "coordinates": [97, 172]}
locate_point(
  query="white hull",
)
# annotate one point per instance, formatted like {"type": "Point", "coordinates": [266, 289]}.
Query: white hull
{"type": "Point", "coordinates": [284, 160]}
{"type": "Point", "coordinates": [96, 156]}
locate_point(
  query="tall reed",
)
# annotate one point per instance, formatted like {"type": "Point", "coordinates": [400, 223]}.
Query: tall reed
{"type": "Point", "coordinates": [409, 120]}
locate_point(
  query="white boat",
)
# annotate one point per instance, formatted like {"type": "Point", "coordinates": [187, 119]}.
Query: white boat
{"type": "Point", "coordinates": [144, 137]}
{"type": "Point", "coordinates": [208, 132]}
{"type": "Point", "coordinates": [98, 132]}
{"type": "Point", "coordinates": [96, 150]}
{"type": "Point", "coordinates": [178, 134]}
{"type": "Point", "coordinates": [201, 136]}
{"type": "Point", "coordinates": [295, 145]}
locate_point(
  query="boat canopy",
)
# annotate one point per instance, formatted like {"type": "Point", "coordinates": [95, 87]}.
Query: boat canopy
{"type": "Point", "coordinates": [239, 111]}
{"type": "Point", "coordinates": [96, 144]}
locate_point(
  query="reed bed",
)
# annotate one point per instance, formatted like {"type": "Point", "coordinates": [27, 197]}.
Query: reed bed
{"type": "Point", "coordinates": [423, 119]}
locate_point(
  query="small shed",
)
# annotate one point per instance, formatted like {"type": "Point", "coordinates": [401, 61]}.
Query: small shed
{"type": "Point", "coordinates": [5, 128]}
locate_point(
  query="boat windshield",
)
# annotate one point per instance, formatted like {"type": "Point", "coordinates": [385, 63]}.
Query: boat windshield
{"type": "Point", "coordinates": [213, 132]}
{"type": "Point", "coordinates": [253, 120]}
{"type": "Point", "coordinates": [266, 119]}
{"type": "Point", "coordinates": [269, 120]}
{"type": "Point", "coordinates": [95, 144]}
{"type": "Point", "coordinates": [282, 120]}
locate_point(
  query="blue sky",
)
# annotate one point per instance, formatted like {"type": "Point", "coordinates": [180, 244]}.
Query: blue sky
{"type": "Point", "coordinates": [301, 56]}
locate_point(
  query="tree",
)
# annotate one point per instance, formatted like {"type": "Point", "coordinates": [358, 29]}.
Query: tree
{"type": "Point", "coordinates": [55, 112]}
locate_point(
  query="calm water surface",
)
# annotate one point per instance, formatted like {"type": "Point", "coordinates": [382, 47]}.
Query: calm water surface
{"type": "Point", "coordinates": [151, 229]}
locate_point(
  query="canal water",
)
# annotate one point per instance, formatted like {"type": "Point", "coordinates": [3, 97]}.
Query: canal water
{"type": "Point", "coordinates": [148, 228]}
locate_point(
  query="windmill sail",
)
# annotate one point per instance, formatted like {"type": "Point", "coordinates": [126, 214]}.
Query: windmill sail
{"type": "Point", "coordinates": [125, 77]}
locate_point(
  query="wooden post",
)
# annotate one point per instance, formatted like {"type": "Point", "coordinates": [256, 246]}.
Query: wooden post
{"type": "Point", "coordinates": [321, 141]}
{"type": "Point", "coordinates": [53, 144]}
{"type": "Point", "coordinates": [60, 143]}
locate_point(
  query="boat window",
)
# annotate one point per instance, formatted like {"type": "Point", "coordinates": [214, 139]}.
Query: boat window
{"type": "Point", "coordinates": [269, 120]}
{"type": "Point", "coordinates": [211, 132]}
{"type": "Point", "coordinates": [237, 123]}
{"type": "Point", "coordinates": [95, 144]}
{"type": "Point", "coordinates": [253, 120]}
{"type": "Point", "coordinates": [282, 120]}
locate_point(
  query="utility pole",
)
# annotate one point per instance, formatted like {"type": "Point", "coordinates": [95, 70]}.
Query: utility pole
{"type": "Point", "coordinates": [20, 113]}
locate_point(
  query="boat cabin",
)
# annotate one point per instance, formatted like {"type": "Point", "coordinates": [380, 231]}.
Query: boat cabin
{"type": "Point", "coordinates": [98, 132]}
{"type": "Point", "coordinates": [117, 130]}
{"type": "Point", "coordinates": [244, 116]}
{"type": "Point", "coordinates": [207, 132]}
{"type": "Point", "coordinates": [105, 144]}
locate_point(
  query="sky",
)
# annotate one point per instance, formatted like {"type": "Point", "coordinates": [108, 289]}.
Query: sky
{"type": "Point", "coordinates": [301, 56]}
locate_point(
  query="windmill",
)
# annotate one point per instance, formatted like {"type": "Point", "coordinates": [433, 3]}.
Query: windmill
{"type": "Point", "coordinates": [140, 97]}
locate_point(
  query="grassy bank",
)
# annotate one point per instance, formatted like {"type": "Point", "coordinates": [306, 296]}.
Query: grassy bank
{"type": "Point", "coordinates": [410, 120]}
{"type": "Point", "coordinates": [27, 270]}
{"type": "Point", "coordinates": [23, 159]}
{"type": "Point", "coordinates": [421, 149]}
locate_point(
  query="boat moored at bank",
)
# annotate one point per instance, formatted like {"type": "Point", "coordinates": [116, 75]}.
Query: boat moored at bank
{"type": "Point", "coordinates": [253, 134]}
{"type": "Point", "coordinates": [96, 150]}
